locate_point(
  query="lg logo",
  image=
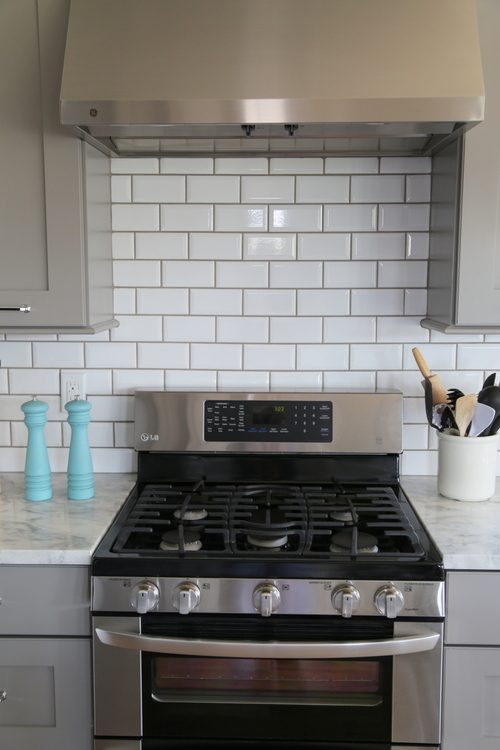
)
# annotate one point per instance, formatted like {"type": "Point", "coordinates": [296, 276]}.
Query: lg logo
{"type": "Point", "coordinates": [145, 437]}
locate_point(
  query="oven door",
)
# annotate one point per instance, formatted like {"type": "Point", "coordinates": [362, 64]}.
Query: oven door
{"type": "Point", "coordinates": [207, 681]}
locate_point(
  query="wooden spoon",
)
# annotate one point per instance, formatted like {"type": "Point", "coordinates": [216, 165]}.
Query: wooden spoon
{"type": "Point", "coordinates": [439, 395]}
{"type": "Point", "coordinates": [464, 411]}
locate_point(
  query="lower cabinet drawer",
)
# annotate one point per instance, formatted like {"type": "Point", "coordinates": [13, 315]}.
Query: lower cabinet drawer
{"type": "Point", "coordinates": [45, 694]}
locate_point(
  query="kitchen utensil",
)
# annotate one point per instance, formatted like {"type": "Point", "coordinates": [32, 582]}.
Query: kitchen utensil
{"type": "Point", "coordinates": [464, 411]}
{"type": "Point", "coordinates": [453, 395]}
{"type": "Point", "coordinates": [491, 397]}
{"type": "Point", "coordinates": [490, 380]}
{"type": "Point", "coordinates": [482, 419]}
{"type": "Point", "coordinates": [448, 420]}
{"type": "Point", "coordinates": [438, 392]}
{"type": "Point", "coordinates": [429, 409]}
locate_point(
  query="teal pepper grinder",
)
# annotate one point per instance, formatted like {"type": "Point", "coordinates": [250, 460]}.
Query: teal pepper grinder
{"type": "Point", "coordinates": [80, 471]}
{"type": "Point", "coordinates": [38, 482]}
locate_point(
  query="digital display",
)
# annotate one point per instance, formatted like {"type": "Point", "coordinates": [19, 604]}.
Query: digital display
{"type": "Point", "coordinates": [275, 414]}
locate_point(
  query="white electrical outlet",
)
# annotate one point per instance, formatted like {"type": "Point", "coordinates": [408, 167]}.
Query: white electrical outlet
{"type": "Point", "coordinates": [72, 386]}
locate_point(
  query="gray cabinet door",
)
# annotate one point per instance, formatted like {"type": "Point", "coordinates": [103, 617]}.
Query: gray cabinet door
{"type": "Point", "coordinates": [43, 249]}
{"type": "Point", "coordinates": [45, 691]}
{"type": "Point", "coordinates": [471, 715]}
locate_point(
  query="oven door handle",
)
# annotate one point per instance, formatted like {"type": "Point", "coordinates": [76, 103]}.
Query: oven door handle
{"type": "Point", "coordinates": [408, 644]}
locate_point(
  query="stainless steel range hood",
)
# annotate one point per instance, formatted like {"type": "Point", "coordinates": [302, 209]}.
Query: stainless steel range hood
{"type": "Point", "coordinates": [287, 76]}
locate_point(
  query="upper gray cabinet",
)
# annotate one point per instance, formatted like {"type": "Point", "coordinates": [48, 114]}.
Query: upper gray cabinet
{"type": "Point", "coordinates": [464, 265]}
{"type": "Point", "coordinates": [55, 215]}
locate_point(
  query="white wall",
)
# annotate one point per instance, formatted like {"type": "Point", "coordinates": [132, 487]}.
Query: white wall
{"type": "Point", "coordinates": [252, 273]}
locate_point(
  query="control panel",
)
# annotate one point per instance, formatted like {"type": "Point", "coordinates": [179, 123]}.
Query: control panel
{"type": "Point", "coordinates": [268, 421]}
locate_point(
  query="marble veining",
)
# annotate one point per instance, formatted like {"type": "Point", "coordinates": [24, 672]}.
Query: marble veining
{"type": "Point", "coordinates": [66, 532]}
{"type": "Point", "coordinates": [467, 533]}
{"type": "Point", "coordinates": [57, 531]}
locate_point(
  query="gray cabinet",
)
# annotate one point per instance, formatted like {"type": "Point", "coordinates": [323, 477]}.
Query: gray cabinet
{"type": "Point", "coordinates": [471, 699]}
{"type": "Point", "coordinates": [464, 265]}
{"type": "Point", "coordinates": [55, 207]}
{"type": "Point", "coordinates": [45, 658]}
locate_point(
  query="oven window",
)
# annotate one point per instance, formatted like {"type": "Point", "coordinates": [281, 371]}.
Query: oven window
{"type": "Point", "coordinates": [288, 681]}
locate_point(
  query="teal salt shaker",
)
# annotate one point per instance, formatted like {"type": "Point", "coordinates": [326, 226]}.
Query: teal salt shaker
{"type": "Point", "coordinates": [37, 478]}
{"type": "Point", "coordinates": [80, 471]}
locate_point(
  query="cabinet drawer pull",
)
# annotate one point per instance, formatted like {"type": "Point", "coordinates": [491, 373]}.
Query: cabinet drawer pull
{"type": "Point", "coordinates": [3, 696]}
{"type": "Point", "coordinates": [23, 309]}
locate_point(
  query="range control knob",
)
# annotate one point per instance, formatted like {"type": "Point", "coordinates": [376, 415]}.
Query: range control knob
{"type": "Point", "coordinates": [389, 601]}
{"type": "Point", "coordinates": [345, 599]}
{"type": "Point", "coordinates": [186, 597]}
{"type": "Point", "coordinates": [266, 599]}
{"type": "Point", "coordinates": [145, 597]}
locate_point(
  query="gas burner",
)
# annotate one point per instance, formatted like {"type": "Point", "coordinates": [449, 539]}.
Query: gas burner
{"type": "Point", "coordinates": [266, 542]}
{"type": "Point", "coordinates": [343, 542]}
{"type": "Point", "coordinates": [345, 516]}
{"type": "Point", "coordinates": [191, 514]}
{"type": "Point", "coordinates": [171, 541]}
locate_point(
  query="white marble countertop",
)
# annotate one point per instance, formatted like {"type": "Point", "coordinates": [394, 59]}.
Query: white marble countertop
{"type": "Point", "coordinates": [57, 531]}
{"type": "Point", "coordinates": [467, 533]}
{"type": "Point", "coordinates": [65, 532]}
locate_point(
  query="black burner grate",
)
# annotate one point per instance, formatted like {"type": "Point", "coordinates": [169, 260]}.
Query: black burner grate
{"type": "Point", "coordinates": [270, 519]}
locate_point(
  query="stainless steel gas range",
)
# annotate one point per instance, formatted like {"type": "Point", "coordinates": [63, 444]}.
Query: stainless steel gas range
{"type": "Point", "coordinates": [267, 583]}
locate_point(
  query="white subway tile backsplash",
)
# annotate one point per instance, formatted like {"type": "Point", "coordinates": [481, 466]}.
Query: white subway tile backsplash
{"type": "Point", "coordinates": [215, 301]}
{"type": "Point", "coordinates": [438, 356]}
{"type": "Point", "coordinates": [190, 217]}
{"type": "Point", "coordinates": [404, 217]}
{"type": "Point", "coordinates": [323, 302]}
{"type": "Point", "coordinates": [235, 380]}
{"type": "Point", "coordinates": [99, 382]}
{"type": "Point", "coordinates": [349, 380]}
{"type": "Point", "coordinates": [5, 439]}
{"type": "Point", "coordinates": [419, 462]}
{"type": "Point", "coordinates": [415, 437]}
{"type": "Point", "coordinates": [138, 328]}
{"type": "Point", "coordinates": [33, 381]}
{"type": "Point", "coordinates": [296, 166]}
{"type": "Point", "coordinates": [135, 273]}
{"type": "Point", "coordinates": [112, 354]}
{"type": "Point", "coordinates": [240, 218]}
{"type": "Point", "coordinates": [121, 188]}
{"type": "Point", "coordinates": [415, 302]}
{"type": "Point", "coordinates": [269, 302]}
{"type": "Point", "coordinates": [406, 381]}
{"type": "Point", "coordinates": [163, 356]}
{"type": "Point", "coordinates": [299, 274]}
{"type": "Point", "coordinates": [349, 329]}
{"type": "Point", "coordinates": [295, 218]}
{"type": "Point", "coordinates": [377, 302]}
{"type": "Point", "coordinates": [15, 354]}
{"type": "Point", "coordinates": [250, 165]}
{"type": "Point", "coordinates": [243, 329]}
{"type": "Point", "coordinates": [213, 189]}
{"type": "Point", "coordinates": [268, 357]}
{"type": "Point", "coordinates": [405, 164]}
{"type": "Point", "coordinates": [4, 384]}
{"type": "Point", "coordinates": [405, 329]}
{"type": "Point", "coordinates": [128, 381]}
{"type": "Point", "coordinates": [124, 434]}
{"type": "Point", "coordinates": [350, 218]}
{"type": "Point", "coordinates": [242, 274]}
{"type": "Point", "coordinates": [188, 165]}
{"type": "Point", "coordinates": [351, 274]}
{"type": "Point", "coordinates": [58, 354]}
{"type": "Point", "coordinates": [122, 245]}
{"type": "Point", "coordinates": [478, 356]}
{"type": "Point", "coordinates": [351, 165]}
{"type": "Point", "coordinates": [134, 166]}
{"type": "Point", "coordinates": [124, 301]}
{"type": "Point", "coordinates": [301, 380]}
{"type": "Point", "coordinates": [215, 356]}
{"type": "Point", "coordinates": [189, 328]}
{"type": "Point", "coordinates": [269, 247]}
{"type": "Point", "coordinates": [161, 245]}
{"type": "Point", "coordinates": [376, 246]}
{"type": "Point", "coordinates": [215, 246]}
{"type": "Point", "coordinates": [268, 189]}
{"type": "Point", "coordinates": [418, 188]}
{"type": "Point", "coordinates": [322, 357]}
{"type": "Point", "coordinates": [322, 189]}
{"type": "Point", "coordinates": [324, 246]}
{"type": "Point", "coordinates": [191, 380]}
{"type": "Point", "coordinates": [294, 330]}
{"type": "Point", "coordinates": [405, 273]}
{"type": "Point", "coordinates": [140, 217]}
{"type": "Point", "coordinates": [377, 188]}
{"type": "Point", "coordinates": [188, 273]}
{"type": "Point", "coordinates": [376, 356]}
{"type": "Point", "coordinates": [163, 301]}
{"type": "Point", "coordinates": [417, 245]}
{"type": "Point", "coordinates": [159, 189]}
{"type": "Point", "coordinates": [113, 408]}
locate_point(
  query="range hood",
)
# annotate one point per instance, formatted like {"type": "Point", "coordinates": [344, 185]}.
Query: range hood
{"type": "Point", "coordinates": [271, 76]}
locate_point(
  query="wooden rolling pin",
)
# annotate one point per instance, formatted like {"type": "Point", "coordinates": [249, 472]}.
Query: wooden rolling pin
{"type": "Point", "coordinates": [439, 395]}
